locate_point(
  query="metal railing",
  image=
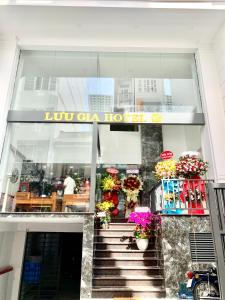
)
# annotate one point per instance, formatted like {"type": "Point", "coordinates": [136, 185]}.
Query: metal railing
{"type": "Point", "coordinates": [180, 196]}
{"type": "Point", "coordinates": [217, 216]}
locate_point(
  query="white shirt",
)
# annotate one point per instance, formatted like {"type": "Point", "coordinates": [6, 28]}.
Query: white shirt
{"type": "Point", "coordinates": [69, 184]}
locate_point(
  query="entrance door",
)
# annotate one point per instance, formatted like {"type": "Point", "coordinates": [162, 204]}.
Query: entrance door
{"type": "Point", "coordinates": [130, 149]}
{"type": "Point", "coordinates": [52, 266]}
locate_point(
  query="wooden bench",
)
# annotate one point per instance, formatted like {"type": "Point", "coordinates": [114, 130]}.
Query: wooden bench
{"type": "Point", "coordinates": [25, 199]}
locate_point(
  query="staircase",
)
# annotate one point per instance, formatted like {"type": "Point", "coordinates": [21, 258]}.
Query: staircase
{"type": "Point", "coordinates": [121, 270]}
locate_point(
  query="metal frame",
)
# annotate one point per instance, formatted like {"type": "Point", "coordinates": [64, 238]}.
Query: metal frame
{"type": "Point", "coordinates": [93, 166]}
{"type": "Point", "coordinates": [217, 216]}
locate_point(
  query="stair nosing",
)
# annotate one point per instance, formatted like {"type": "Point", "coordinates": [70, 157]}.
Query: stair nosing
{"type": "Point", "coordinates": [113, 243]}
{"type": "Point", "coordinates": [127, 258]}
{"type": "Point", "coordinates": [127, 277]}
{"type": "Point", "coordinates": [111, 236]}
{"type": "Point", "coordinates": [141, 289]}
{"type": "Point", "coordinates": [116, 230]}
{"type": "Point", "coordinates": [127, 250]}
{"type": "Point", "coordinates": [128, 267]}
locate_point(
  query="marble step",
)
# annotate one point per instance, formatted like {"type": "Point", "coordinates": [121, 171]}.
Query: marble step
{"type": "Point", "coordinates": [128, 270]}
{"type": "Point", "coordinates": [128, 281]}
{"type": "Point", "coordinates": [140, 291]}
{"type": "Point", "coordinates": [123, 262]}
{"type": "Point", "coordinates": [116, 239]}
{"type": "Point", "coordinates": [114, 232]}
{"type": "Point", "coordinates": [123, 226]}
{"type": "Point", "coordinates": [108, 242]}
{"type": "Point", "coordinates": [115, 253]}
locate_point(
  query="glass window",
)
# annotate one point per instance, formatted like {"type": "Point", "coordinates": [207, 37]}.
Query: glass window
{"type": "Point", "coordinates": [137, 151]}
{"type": "Point", "coordinates": [107, 82]}
{"type": "Point", "coordinates": [47, 167]}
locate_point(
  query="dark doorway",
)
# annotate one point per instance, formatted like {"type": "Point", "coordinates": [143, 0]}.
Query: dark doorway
{"type": "Point", "coordinates": [52, 266]}
{"type": "Point", "coordinates": [70, 267]}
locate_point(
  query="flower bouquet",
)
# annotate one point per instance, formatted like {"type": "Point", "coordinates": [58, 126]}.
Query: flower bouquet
{"type": "Point", "coordinates": [147, 225]}
{"type": "Point", "coordinates": [104, 212]}
{"type": "Point", "coordinates": [190, 165]}
{"type": "Point", "coordinates": [110, 186]}
{"type": "Point", "coordinates": [131, 186]}
{"type": "Point", "coordinates": [165, 169]}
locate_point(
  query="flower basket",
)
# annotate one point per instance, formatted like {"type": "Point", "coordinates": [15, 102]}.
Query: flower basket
{"type": "Point", "coordinates": [148, 225]}
{"type": "Point", "coordinates": [104, 209]}
{"type": "Point", "coordinates": [131, 186]}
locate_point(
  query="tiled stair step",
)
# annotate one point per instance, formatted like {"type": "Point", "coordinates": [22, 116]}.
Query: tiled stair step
{"type": "Point", "coordinates": [140, 291]}
{"type": "Point", "coordinates": [119, 220]}
{"type": "Point", "coordinates": [128, 281]}
{"type": "Point", "coordinates": [124, 226]}
{"type": "Point", "coordinates": [119, 245]}
{"type": "Point", "coordinates": [112, 232]}
{"type": "Point", "coordinates": [114, 253]}
{"type": "Point", "coordinates": [128, 270]}
{"type": "Point", "coordinates": [123, 262]}
{"type": "Point", "coordinates": [115, 239]}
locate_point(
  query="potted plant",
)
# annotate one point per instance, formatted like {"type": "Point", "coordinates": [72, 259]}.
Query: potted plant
{"type": "Point", "coordinates": [148, 225]}
{"type": "Point", "coordinates": [104, 213]}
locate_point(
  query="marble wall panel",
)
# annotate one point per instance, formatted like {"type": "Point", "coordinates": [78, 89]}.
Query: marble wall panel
{"type": "Point", "coordinates": [87, 257]}
{"type": "Point", "coordinates": [176, 248]}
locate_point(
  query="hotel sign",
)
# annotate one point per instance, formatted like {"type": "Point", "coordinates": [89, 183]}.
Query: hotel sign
{"type": "Point", "coordinates": [101, 117]}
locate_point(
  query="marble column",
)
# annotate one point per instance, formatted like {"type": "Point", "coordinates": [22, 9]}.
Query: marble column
{"type": "Point", "coordinates": [87, 257]}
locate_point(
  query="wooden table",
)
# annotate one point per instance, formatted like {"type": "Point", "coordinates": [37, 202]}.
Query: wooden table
{"type": "Point", "coordinates": [25, 199]}
{"type": "Point", "coordinates": [75, 200]}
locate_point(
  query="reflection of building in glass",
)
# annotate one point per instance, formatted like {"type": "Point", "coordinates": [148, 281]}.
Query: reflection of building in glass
{"type": "Point", "coordinates": [124, 94]}
{"type": "Point", "coordinates": [102, 103]}
{"type": "Point", "coordinates": [142, 94]}
{"type": "Point", "coordinates": [148, 94]}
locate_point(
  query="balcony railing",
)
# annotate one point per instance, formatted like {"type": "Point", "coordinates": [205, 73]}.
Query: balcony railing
{"type": "Point", "coordinates": [180, 196]}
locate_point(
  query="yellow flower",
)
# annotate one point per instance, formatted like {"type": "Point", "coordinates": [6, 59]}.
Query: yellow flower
{"type": "Point", "coordinates": [104, 206]}
{"type": "Point", "coordinates": [165, 169]}
{"type": "Point", "coordinates": [108, 184]}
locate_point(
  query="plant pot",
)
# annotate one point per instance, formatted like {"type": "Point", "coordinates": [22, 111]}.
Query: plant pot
{"type": "Point", "coordinates": [105, 225]}
{"type": "Point", "coordinates": [142, 244]}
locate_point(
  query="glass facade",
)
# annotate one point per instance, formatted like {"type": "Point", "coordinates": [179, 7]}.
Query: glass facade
{"type": "Point", "coordinates": [71, 167]}
{"type": "Point", "coordinates": [57, 167]}
{"type": "Point", "coordinates": [49, 167]}
{"type": "Point", "coordinates": [106, 82]}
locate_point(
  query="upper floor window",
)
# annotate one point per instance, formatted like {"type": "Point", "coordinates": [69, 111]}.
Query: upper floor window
{"type": "Point", "coordinates": [107, 82]}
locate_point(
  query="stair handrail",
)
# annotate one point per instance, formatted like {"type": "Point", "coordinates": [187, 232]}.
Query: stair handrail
{"type": "Point", "coordinates": [6, 269]}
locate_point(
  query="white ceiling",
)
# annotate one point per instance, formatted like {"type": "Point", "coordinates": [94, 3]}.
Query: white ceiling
{"type": "Point", "coordinates": [120, 27]}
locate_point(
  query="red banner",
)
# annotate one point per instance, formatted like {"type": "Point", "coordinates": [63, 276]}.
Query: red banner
{"type": "Point", "coordinates": [166, 155]}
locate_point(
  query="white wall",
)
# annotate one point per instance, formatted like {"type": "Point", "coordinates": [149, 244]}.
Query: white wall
{"type": "Point", "coordinates": [6, 242]}
{"type": "Point", "coordinates": [8, 64]}
{"type": "Point", "coordinates": [219, 52]}
{"type": "Point", "coordinates": [12, 243]}
{"type": "Point", "coordinates": [180, 138]}
{"type": "Point", "coordinates": [120, 147]}
{"type": "Point", "coordinates": [214, 132]}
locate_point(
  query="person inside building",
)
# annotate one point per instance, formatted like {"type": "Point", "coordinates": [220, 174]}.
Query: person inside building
{"type": "Point", "coordinates": [69, 185]}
